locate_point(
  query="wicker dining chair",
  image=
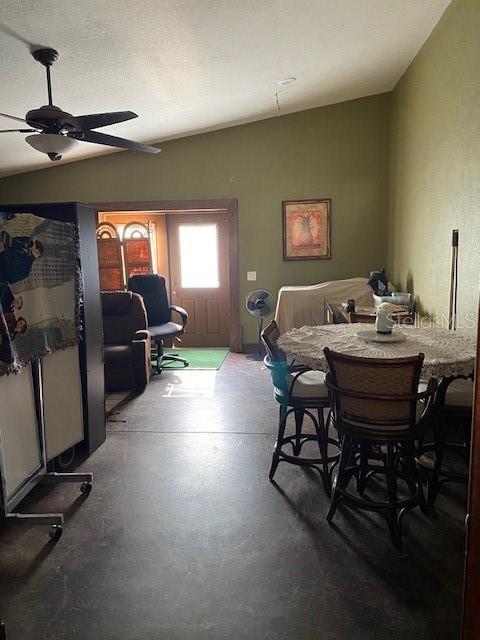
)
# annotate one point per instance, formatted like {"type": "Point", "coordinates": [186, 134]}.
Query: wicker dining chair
{"type": "Point", "coordinates": [365, 318]}
{"type": "Point", "coordinates": [374, 409]}
{"type": "Point", "coordinates": [452, 412]}
{"type": "Point", "coordinates": [300, 391]}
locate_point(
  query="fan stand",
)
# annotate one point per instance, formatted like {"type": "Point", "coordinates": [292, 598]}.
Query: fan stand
{"type": "Point", "coordinates": [259, 355]}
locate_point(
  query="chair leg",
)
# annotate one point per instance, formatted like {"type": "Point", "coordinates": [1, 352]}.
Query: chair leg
{"type": "Point", "coordinates": [419, 445]}
{"type": "Point", "coordinates": [323, 446]}
{"type": "Point", "coordinates": [171, 357]}
{"type": "Point", "coordinates": [414, 482]}
{"type": "Point", "coordinates": [434, 479]}
{"type": "Point", "coordinates": [282, 421]}
{"type": "Point", "coordinates": [340, 480]}
{"type": "Point", "coordinates": [159, 356]}
{"type": "Point", "coordinates": [363, 470]}
{"type": "Point", "coordinates": [391, 473]}
{"type": "Point", "coordinates": [297, 445]}
{"type": "Point", "coordinates": [162, 358]}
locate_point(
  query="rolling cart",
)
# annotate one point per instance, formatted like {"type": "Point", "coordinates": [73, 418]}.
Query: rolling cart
{"type": "Point", "coordinates": [27, 438]}
{"type": "Point", "coordinates": [40, 475]}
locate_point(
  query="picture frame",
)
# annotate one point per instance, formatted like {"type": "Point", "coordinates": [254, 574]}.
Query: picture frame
{"type": "Point", "coordinates": [307, 229]}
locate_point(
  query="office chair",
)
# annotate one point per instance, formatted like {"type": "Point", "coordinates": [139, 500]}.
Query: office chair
{"type": "Point", "coordinates": [159, 314]}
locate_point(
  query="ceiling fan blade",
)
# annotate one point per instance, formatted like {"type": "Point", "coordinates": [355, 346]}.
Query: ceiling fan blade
{"type": "Point", "coordinates": [114, 141]}
{"type": "Point", "coordinates": [5, 115]}
{"type": "Point", "coordinates": [18, 131]}
{"type": "Point", "coordinates": [95, 120]}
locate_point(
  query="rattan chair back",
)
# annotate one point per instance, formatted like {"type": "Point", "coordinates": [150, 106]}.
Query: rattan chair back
{"type": "Point", "coordinates": [361, 317]}
{"type": "Point", "coordinates": [374, 394]}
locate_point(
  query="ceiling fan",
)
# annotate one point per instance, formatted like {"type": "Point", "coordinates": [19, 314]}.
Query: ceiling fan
{"type": "Point", "coordinates": [55, 131]}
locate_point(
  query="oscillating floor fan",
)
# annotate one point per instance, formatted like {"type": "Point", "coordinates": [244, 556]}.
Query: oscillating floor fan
{"type": "Point", "coordinates": [259, 303]}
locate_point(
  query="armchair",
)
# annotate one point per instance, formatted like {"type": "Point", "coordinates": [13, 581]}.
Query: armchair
{"type": "Point", "coordinates": [126, 341]}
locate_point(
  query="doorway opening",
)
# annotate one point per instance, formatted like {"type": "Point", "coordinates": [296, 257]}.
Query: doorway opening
{"type": "Point", "coordinates": [194, 245]}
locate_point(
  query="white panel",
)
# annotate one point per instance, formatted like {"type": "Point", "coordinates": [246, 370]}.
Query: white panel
{"type": "Point", "coordinates": [62, 401]}
{"type": "Point", "coordinates": [18, 429]}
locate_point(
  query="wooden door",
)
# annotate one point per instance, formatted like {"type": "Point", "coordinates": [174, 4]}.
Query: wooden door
{"type": "Point", "coordinates": [199, 276]}
{"type": "Point", "coordinates": [471, 595]}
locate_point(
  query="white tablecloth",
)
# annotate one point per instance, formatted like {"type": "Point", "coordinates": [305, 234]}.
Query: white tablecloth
{"type": "Point", "coordinates": [447, 353]}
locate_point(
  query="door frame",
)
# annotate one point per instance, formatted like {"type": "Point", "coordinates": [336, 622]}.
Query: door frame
{"type": "Point", "coordinates": [199, 301]}
{"type": "Point", "coordinates": [471, 593]}
{"type": "Point", "coordinates": [208, 206]}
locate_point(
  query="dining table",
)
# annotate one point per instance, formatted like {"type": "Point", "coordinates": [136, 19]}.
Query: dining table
{"type": "Point", "coordinates": [447, 353]}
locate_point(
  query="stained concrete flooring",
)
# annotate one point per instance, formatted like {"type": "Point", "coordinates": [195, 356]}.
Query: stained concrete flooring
{"type": "Point", "coordinates": [184, 538]}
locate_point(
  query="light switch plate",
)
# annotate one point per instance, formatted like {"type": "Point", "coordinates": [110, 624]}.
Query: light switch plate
{"type": "Point", "coordinates": [251, 276]}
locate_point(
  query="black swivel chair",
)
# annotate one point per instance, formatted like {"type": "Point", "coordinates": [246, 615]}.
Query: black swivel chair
{"type": "Point", "coordinates": [159, 314]}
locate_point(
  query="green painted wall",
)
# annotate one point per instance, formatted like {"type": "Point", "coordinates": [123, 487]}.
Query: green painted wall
{"type": "Point", "coordinates": [338, 152]}
{"type": "Point", "coordinates": [435, 164]}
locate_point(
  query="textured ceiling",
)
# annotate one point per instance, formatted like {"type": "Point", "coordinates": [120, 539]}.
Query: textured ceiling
{"type": "Point", "coordinates": [187, 66]}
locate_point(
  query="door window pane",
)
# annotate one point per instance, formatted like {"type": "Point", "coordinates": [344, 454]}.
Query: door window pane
{"type": "Point", "coordinates": [199, 256]}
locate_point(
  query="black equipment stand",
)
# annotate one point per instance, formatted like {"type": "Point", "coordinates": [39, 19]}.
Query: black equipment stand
{"type": "Point", "coordinates": [259, 355]}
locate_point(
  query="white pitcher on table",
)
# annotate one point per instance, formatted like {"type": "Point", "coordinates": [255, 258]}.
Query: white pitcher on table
{"type": "Point", "coordinates": [384, 320]}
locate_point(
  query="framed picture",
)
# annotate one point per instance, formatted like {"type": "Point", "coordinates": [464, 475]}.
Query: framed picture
{"type": "Point", "coordinates": [306, 229]}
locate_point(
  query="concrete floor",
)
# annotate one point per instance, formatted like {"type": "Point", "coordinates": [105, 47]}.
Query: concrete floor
{"type": "Point", "coordinates": [184, 538]}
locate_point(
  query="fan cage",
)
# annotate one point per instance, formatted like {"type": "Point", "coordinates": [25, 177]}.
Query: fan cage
{"type": "Point", "coordinates": [259, 295]}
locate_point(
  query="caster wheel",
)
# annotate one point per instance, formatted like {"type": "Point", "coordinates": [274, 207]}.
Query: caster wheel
{"type": "Point", "coordinates": [85, 488]}
{"type": "Point", "coordinates": [55, 532]}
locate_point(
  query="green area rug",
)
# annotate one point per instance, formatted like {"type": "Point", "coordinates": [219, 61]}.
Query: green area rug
{"type": "Point", "coordinates": [199, 358]}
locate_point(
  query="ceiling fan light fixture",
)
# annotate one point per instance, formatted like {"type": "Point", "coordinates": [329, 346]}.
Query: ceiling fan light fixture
{"type": "Point", "coordinates": [53, 144]}
{"type": "Point", "coordinates": [55, 132]}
